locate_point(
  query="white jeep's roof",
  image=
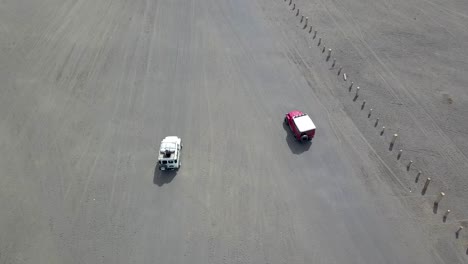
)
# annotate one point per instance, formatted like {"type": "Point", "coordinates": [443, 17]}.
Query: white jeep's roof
{"type": "Point", "coordinates": [169, 143]}
{"type": "Point", "coordinates": [172, 139]}
{"type": "Point", "coordinates": [304, 123]}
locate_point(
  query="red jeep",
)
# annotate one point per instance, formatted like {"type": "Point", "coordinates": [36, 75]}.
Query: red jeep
{"type": "Point", "coordinates": [301, 125]}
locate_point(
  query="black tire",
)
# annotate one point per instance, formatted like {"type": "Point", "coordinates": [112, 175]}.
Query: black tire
{"type": "Point", "coordinates": [304, 138]}
{"type": "Point", "coordinates": [285, 120]}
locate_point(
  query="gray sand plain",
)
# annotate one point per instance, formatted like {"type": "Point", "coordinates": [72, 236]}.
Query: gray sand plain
{"type": "Point", "coordinates": [89, 88]}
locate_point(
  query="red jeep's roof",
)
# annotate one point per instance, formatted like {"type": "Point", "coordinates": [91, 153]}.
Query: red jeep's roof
{"type": "Point", "coordinates": [302, 121]}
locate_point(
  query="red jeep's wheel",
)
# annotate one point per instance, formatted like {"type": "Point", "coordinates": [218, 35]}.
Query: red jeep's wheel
{"type": "Point", "coordinates": [304, 138]}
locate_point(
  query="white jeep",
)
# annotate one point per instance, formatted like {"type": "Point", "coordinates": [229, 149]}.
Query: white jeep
{"type": "Point", "coordinates": [169, 153]}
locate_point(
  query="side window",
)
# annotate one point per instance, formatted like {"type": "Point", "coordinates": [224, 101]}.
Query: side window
{"type": "Point", "coordinates": [175, 161]}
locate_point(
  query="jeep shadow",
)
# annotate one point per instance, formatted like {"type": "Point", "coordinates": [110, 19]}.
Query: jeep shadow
{"type": "Point", "coordinates": [163, 177]}
{"type": "Point", "coordinates": [297, 147]}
